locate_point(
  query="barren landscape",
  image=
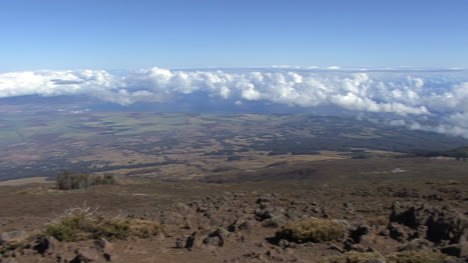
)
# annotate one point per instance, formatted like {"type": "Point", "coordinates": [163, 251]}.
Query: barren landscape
{"type": "Point", "coordinates": [238, 221]}
{"type": "Point", "coordinates": [230, 188]}
{"type": "Point", "coordinates": [233, 131]}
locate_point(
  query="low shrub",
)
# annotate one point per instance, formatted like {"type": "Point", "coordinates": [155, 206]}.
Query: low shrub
{"type": "Point", "coordinates": [81, 226]}
{"type": "Point", "coordinates": [413, 256]}
{"type": "Point", "coordinates": [314, 230]}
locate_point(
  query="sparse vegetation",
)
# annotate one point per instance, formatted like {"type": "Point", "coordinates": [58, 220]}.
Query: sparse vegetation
{"type": "Point", "coordinates": [314, 230]}
{"type": "Point", "coordinates": [413, 256]}
{"type": "Point", "coordinates": [275, 134]}
{"type": "Point", "coordinates": [354, 257]}
{"type": "Point", "coordinates": [82, 226]}
{"type": "Point", "coordinates": [417, 256]}
{"type": "Point", "coordinates": [70, 180]}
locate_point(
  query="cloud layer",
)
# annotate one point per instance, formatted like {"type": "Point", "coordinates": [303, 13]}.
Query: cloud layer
{"type": "Point", "coordinates": [439, 94]}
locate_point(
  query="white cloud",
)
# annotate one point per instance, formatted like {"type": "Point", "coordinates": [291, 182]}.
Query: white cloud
{"type": "Point", "coordinates": [51, 83]}
{"type": "Point", "coordinates": [402, 92]}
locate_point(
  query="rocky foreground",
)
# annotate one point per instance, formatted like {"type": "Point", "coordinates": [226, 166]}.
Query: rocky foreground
{"type": "Point", "coordinates": [393, 225]}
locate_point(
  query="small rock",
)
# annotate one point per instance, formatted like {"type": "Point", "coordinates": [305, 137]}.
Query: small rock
{"type": "Point", "coordinates": [337, 248]}
{"type": "Point", "coordinates": [397, 232]}
{"type": "Point", "coordinates": [179, 243]}
{"type": "Point", "coordinates": [191, 241]}
{"type": "Point", "coordinates": [221, 232]}
{"type": "Point", "coordinates": [181, 207]}
{"type": "Point", "coordinates": [384, 232]}
{"type": "Point", "coordinates": [42, 244]}
{"type": "Point", "coordinates": [283, 243]}
{"type": "Point", "coordinates": [415, 244]}
{"type": "Point", "coordinates": [358, 248]}
{"type": "Point", "coordinates": [107, 256]}
{"type": "Point", "coordinates": [212, 241]}
{"type": "Point", "coordinates": [88, 254]}
{"type": "Point", "coordinates": [452, 250]}
{"type": "Point", "coordinates": [275, 221]}
{"type": "Point", "coordinates": [358, 233]}
{"type": "Point", "coordinates": [102, 244]}
{"type": "Point", "coordinates": [12, 236]}
{"type": "Point", "coordinates": [247, 225]}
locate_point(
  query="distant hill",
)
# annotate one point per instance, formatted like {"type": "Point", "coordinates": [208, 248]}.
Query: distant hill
{"type": "Point", "coordinates": [51, 100]}
{"type": "Point", "coordinates": [461, 152]}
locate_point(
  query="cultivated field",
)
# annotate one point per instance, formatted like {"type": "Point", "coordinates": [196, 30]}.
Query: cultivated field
{"type": "Point", "coordinates": [175, 146]}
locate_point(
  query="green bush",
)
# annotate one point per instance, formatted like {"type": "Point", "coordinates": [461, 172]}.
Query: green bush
{"type": "Point", "coordinates": [81, 226]}
{"type": "Point", "coordinates": [70, 180]}
{"type": "Point", "coordinates": [71, 228]}
{"type": "Point", "coordinates": [314, 230]}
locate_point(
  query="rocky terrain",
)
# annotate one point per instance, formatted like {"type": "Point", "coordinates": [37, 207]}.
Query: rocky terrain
{"type": "Point", "coordinates": [264, 221]}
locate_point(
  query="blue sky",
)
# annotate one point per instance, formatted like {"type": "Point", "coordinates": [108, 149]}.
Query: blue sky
{"type": "Point", "coordinates": [124, 34]}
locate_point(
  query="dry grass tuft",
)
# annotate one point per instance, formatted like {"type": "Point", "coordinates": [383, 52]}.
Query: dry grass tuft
{"type": "Point", "coordinates": [82, 224]}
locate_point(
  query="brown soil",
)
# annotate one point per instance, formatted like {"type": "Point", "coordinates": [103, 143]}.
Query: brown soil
{"type": "Point", "coordinates": [356, 192]}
